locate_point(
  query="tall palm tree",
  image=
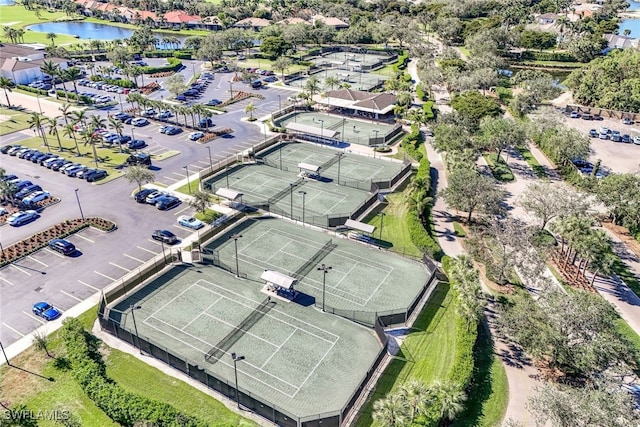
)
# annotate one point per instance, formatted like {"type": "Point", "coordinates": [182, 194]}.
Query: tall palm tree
{"type": "Point", "coordinates": [6, 85]}
{"type": "Point", "coordinates": [249, 109]}
{"type": "Point", "coordinates": [52, 37]}
{"type": "Point", "coordinates": [51, 69]}
{"type": "Point", "coordinates": [90, 138]}
{"type": "Point", "coordinates": [69, 132]}
{"type": "Point", "coordinates": [312, 86]}
{"type": "Point", "coordinates": [53, 129]}
{"type": "Point", "coordinates": [331, 82]}
{"type": "Point", "coordinates": [390, 412]}
{"type": "Point", "coordinates": [118, 127]}
{"type": "Point", "coordinates": [73, 74]}
{"type": "Point", "coordinates": [36, 121]}
{"type": "Point", "coordinates": [416, 396]}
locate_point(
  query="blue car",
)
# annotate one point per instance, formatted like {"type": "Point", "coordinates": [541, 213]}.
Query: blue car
{"type": "Point", "coordinates": [46, 311]}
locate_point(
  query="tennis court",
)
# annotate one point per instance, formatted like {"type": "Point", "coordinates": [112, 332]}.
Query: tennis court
{"type": "Point", "coordinates": [355, 79]}
{"type": "Point", "coordinates": [362, 278]}
{"type": "Point", "coordinates": [295, 358]}
{"type": "Point", "coordinates": [349, 130]}
{"type": "Point", "coordinates": [261, 183]}
{"type": "Point", "coordinates": [350, 59]}
{"type": "Point", "coordinates": [352, 167]}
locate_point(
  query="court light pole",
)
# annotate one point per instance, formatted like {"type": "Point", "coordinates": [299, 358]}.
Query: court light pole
{"type": "Point", "coordinates": [279, 103]}
{"type": "Point", "coordinates": [235, 238]}
{"type": "Point", "coordinates": [381, 214]}
{"type": "Point", "coordinates": [325, 269]}
{"type": "Point", "coordinates": [303, 193]}
{"type": "Point", "coordinates": [236, 359]}
{"type": "Point", "coordinates": [79, 205]}
{"type": "Point", "coordinates": [226, 171]}
{"type": "Point", "coordinates": [321, 128]}
{"type": "Point", "coordinates": [135, 325]}
{"type": "Point", "coordinates": [339, 157]}
{"type": "Point", "coordinates": [188, 180]}
{"type": "Point", "coordinates": [210, 161]}
{"type": "Point", "coordinates": [376, 132]}
{"type": "Point", "coordinates": [1, 251]}
{"type": "Point", "coordinates": [5, 355]}
{"type": "Point", "coordinates": [280, 152]}
{"type": "Point", "coordinates": [291, 191]}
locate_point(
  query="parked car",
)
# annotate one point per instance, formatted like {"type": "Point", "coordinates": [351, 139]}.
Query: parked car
{"type": "Point", "coordinates": [166, 202]}
{"type": "Point", "coordinates": [593, 133]}
{"type": "Point", "coordinates": [173, 130]}
{"type": "Point", "coordinates": [626, 139]}
{"type": "Point", "coordinates": [136, 144]}
{"type": "Point", "coordinates": [57, 165]}
{"type": "Point", "coordinates": [636, 140]}
{"type": "Point", "coordinates": [122, 139]}
{"type": "Point", "coordinates": [45, 310]}
{"type": "Point", "coordinates": [141, 196]}
{"type": "Point", "coordinates": [194, 136]}
{"type": "Point", "coordinates": [205, 122]}
{"type": "Point", "coordinates": [8, 178]}
{"type": "Point", "coordinates": [163, 115]}
{"type": "Point", "coordinates": [574, 115]}
{"type": "Point", "coordinates": [149, 112]}
{"type": "Point", "coordinates": [139, 159]}
{"type": "Point", "coordinates": [73, 172]}
{"type": "Point", "coordinates": [85, 172]}
{"type": "Point", "coordinates": [615, 136]}
{"type": "Point", "coordinates": [190, 222]}
{"type": "Point", "coordinates": [22, 217]}
{"type": "Point", "coordinates": [6, 148]}
{"type": "Point", "coordinates": [96, 175]}
{"type": "Point", "coordinates": [36, 197]}
{"type": "Point", "coordinates": [28, 190]}
{"type": "Point", "coordinates": [19, 185]}
{"type": "Point", "coordinates": [153, 197]}
{"type": "Point", "coordinates": [164, 236]}
{"type": "Point", "coordinates": [214, 102]}
{"type": "Point", "coordinates": [140, 121]}
{"type": "Point", "coordinates": [65, 247]}
{"type": "Point", "coordinates": [627, 121]}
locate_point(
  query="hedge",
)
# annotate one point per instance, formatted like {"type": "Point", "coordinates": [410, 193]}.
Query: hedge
{"type": "Point", "coordinates": [463, 366]}
{"type": "Point", "coordinates": [429, 113]}
{"type": "Point", "coordinates": [174, 65]}
{"type": "Point", "coordinates": [411, 143]}
{"type": "Point", "coordinates": [401, 63]}
{"type": "Point", "coordinates": [128, 84]}
{"type": "Point", "coordinates": [61, 94]}
{"type": "Point", "coordinates": [90, 57]}
{"type": "Point", "coordinates": [421, 94]}
{"type": "Point", "coordinates": [123, 407]}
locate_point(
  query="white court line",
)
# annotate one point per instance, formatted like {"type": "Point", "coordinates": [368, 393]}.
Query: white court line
{"type": "Point", "coordinates": [14, 330]}
{"type": "Point", "coordinates": [234, 326]}
{"type": "Point", "coordinates": [147, 250]}
{"type": "Point", "coordinates": [37, 260]}
{"type": "Point", "coordinates": [279, 347]}
{"type": "Point", "coordinates": [172, 300]}
{"type": "Point", "coordinates": [72, 296]}
{"type": "Point", "coordinates": [134, 258]}
{"type": "Point", "coordinates": [119, 266]}
{"type": "Point", "coordinates": [104, 275]}
{"type": "Point", "coordinates": [88, 285]}
{"type": "Point", "coordinates": [34, 317]}
{"type": "Point", "coordinates": [204, 312]}
{"type": "Point", "coordinates": [53, 252]}
{"type": "Point", "coordinates": [318, 364]}
{"type": "Point", "coordinates": [85, 238]}
{"type": "Point", "coordinates": [181, 210]}
{"type": "Point", "coordinates": [20, 270]}
{"type": "Point", "coordinates": [2, 278]}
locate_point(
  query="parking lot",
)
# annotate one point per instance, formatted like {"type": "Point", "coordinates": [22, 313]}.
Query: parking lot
{"type": "Point", "coordinates": [616, 157]}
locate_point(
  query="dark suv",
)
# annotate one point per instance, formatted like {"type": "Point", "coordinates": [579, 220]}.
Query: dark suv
{"type": "Point", "coordinates": [139, 159]}
{"type": "Point", "coordinates": [165, 236]}
{"type": "Point", "coordinates": [63, 246]}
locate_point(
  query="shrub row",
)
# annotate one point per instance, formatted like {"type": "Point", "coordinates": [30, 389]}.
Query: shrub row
{"type": "Point", "coordinates": [463, 366]}
{"type": "Point", "coordinates": [411, 143]}
{"type": "Point", "coordinates": [121, 406]}
{"type": "Point", "coordinates": [174, 65]}
{"type": "Point", "coordinates": [89, 57]}
{"type": "Point", "coordinates": [121, 82]}
{"type": "Point", "coordinates": [61, 94]}
{"type": "Point", "coordinates": [429, 113]}
{"type": "Point", "coordinates": [401, 63]}
{"type": "Point", "coordinates": [421, 94]}
{"type": "Point", "coordinates": [529, 55]}
{"type": "Point", "coordinates": [420, 237]}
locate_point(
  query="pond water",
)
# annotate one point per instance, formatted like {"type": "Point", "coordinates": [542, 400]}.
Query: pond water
{"type": "Point", "coordinates": [91, 30]}
{"type": "Point", "coordinates": [632, 25]}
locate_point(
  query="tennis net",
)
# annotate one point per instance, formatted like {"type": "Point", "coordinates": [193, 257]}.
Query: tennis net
{"type": "Point", "coordinates": [314, 260]}
{"type": "Point", "coordinates": [283, 193]}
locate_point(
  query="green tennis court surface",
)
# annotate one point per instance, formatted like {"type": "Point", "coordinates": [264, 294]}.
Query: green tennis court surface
{"type": "Point", "coordinates": [356, 80]}
{"type": "Point", "coordinates": [362, 278]}
{"type": "Point", "coordinates": [352, 167]}
{"type": "Point", "coordinates": [350, 130]}
{"type": "Point", "coordinates": [297, 358]}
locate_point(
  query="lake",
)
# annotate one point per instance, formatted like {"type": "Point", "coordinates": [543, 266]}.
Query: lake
{"type": "Point", "coordinates": [632, 25]}
{"type": "Point", "coordinates": [91, 30]}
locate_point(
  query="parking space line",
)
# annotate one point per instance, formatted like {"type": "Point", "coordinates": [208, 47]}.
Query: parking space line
{"type": "Point", "coordinates": [205, 163]}
{"type": "Point", "coordinates": [14, 330]}
{"type": "Point", "coordinates": [53, 252]}
{"type": "Point", "coordinates": [155, 242]}
{"type": "Point", "coordinates": [72, 296]}
{"type": "Point", "coordinates": [147, 250]}
{"type": "Point", "coordinates": [181, 210]}
{"type": "Point", "coordinates": [2, 278]}
{"type": "Point", "coordinates": [88, 285]}
{"type": "Point", "coordinates": [171, 179]}
{"type": "Point", "coordinates": [85, 238]}
{"type": "Point", "coordinates": [179, 174]}
{"type": "Point", "coordinates": [134, 258]}
{"type": "Point", "coordinates": [34, 317]}
{"type": "Point", "coordinates": [20, 270]}
{"type": "Point", "coordinates": [104, 275]}
{"type": "Point", "coordinates": [119, 266]}
{"type": "Point", "coordinates": [37, 260]}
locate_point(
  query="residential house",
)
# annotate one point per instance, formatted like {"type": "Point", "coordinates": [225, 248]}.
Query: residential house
{"type": "Point", "coordinates": [547, 18]}
{"type": "Point", "coordinates": [255, 24]}
{"type": "Point", "coordinates": [21, 63]}
{"type": "Point", "coordinates": [180, 18]}
{"type": "Point", "coordinates": [336, 23]}
{"type": "Point", "coordinates": [294, 21]}
{"type": "Point", "coordinates": [212, 23]}
{"type": "Point", "coordinates": [615, 41]}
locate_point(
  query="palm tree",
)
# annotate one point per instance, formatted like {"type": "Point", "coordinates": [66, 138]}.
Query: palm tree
{"type": "Point", "coordinates": [283, 63]}
{"type": "Point", "coordinates": [6, 85]}
{"type": "Point", "coordinates": [199, 109]}
{"type": "Point", "coordinates": [390, 412]}
{"type": "Point", "coordinates": [405, 99]}
{"type": "Point", "coordinates": [69, 132]}
{"type": "Point", "coordinates": [331, 82]}
{"type": "Point", "coordinates": [51, 69]}
{"type": "Point", "coordinates": [73, 74]}
{"type": "Point", "coordinates": [416, 396]}
{"type": "Point", "coordinates": [37, 121]}
{"type": "Point", "coordinates": [249, 109]}
{"type": "Point", "coordinates": [451, 399]}
{"type": "Point", "coordinates": [200, 201]}
{"type": "Point", "coordinates": [118, 127]}
{"type": "Point", "coordinates": [312, 86]}
{"type": "Point", "coordinates": [52, 37]}
{"type": "Point", "coordinates": [53, 130]}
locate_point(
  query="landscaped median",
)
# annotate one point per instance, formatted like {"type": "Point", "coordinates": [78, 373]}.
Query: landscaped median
{"type": "Point", "coordinates": [39, 240]}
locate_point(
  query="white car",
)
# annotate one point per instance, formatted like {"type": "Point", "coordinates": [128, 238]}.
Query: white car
{"type": "Point", "coordinates": [190, 222]}
{"type": "Point", "coordinates": [140, 121]}
{"type": "Point", "coordinates": [36, 197]}
{"type": "Point", "coordinates": [194, 136]}
{"type": "Point", "coordinates": [22, 217]}
{"type": "Point", "coordinates": [636, 140]}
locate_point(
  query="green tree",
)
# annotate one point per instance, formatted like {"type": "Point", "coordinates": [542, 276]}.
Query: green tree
{"type": "Point", "coordinates": [474, 106]}
{"type": "Point", "coordinates": [451, 399]}
{"type": "Point", "coordinates": [52, 37]}
{"type": "Point", "coordinates": [140, 175]}
{"type": "Point", "coordinates": [72, 74]}
{"type": "Point", "coordinates": [546, 201]}
{"type": "Point", "coordinates": [586, 47]}
{"type": "Point", "coordinates": [200, 200]}
{"type": "Point", "coordinates": [312, 86]}
{"type": "Point", "coordinates": [620, 193]}
{"type": "Point", "coordinates": [498, 134]}
{"type": "Point", "coordinates": [282, 64]}
{"type": "Point", "coordinates": [51, 69]}
{"type": "Point", "coordinates": [249, 109]}
{"type": "Point", "coordinates": [53, 130]}
{"type": "Point", "coordinates": [41, 342]}
{"type": "Point", "coordinates": [6, 85]}
{"type": "Point", "coordinates": [175, 84]}
{"type": "Point", "coordinates": [469, 191]}
{"type": "Point", "coordinates": [37, 121]}
{"type": "Point", "coordinates": [390, 411]}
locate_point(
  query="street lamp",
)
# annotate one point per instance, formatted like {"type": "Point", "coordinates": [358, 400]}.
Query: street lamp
{"type": "Point", "coordinates": [265, 130]}
{"type": "Point", "coordinates": [235, 238]}
{"type": "Point", "coordinates": [231, 88]}
{"type": "Point", "coordinates": [133, 135]}
{"type": "Point", "coordinates": [339, 157]}
{"type": "Point", "coordinates": [381, 214]}
{"type": "Point", "coordinates": [79, 205]}
{"type": "Point", "coordinates": [226, 172]}
{"type": "Point", "coordinates": [210, 161]}
{"type": "Point", "coordinates": [135, 325]}
{"type": "Point", "coordinates": [376, 132]}
{"type": "Point", "coordinates": [304, 193]}
{"type": "Point", "coordinates": [291, 191]}
{"type": "Point", "coordinates": [188, 180]}
{"type": "Point", "coordinates": [325, 269]}
{"type": "Point", "coordinates": [279, 103]}
{"type": "Point", "coordinates": [236, 359]}
{"type": "Point", "coordinates": [321, 128]}
{"type": "Point", "coordinates": [1, 251]}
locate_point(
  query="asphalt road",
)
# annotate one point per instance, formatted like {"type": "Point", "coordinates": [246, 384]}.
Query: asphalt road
{"type": "Point", "coordinates": [106, 257]}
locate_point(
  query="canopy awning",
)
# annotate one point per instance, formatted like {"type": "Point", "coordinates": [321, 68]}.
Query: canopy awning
{"type": "Point", "coordinates": [228, 193]}
{"type": "Point", "coordinates": [278, 279]}
{"type": "Point", "coordinates": [312, 130]}
{"type": "Point", "coordinates": [309, 167]}
{"type": "Point", "coordinates": [360, 226]}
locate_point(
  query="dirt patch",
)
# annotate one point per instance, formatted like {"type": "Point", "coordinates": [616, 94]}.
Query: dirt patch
{"type": "Point", "coordinates": [4, 118]}
{"type": "Point", "coordinates": [623, 234]}
{"type": "Point", "coordinates": [17, 384]}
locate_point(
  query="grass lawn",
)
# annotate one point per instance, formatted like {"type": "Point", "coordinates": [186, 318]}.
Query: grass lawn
{"type": "Point", "coordinates": [457, 227]}
{"type": "Point", "coordinates": [195, 185]}
{"type": "Point", "coordinates": [267, 64]}
{"type": "Point", "coordinates": [489, 394]}
{"type": "Point", "coordinates": [395, 231]}
{"type": "Point", "coordinates": [208, 216]}
{"type": "Point", "coordinates": [22, 387]}
{"type": "Point", "coordinates": [426, 354]}
{"type": "Point", "coordinates": [533, 162]}
{"type": "Point", "coordinates": [18, 17]}
{"type": "Point", "coordinates": [15, 121]}
{"type": "Point", "coordinates": [500, 170]}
